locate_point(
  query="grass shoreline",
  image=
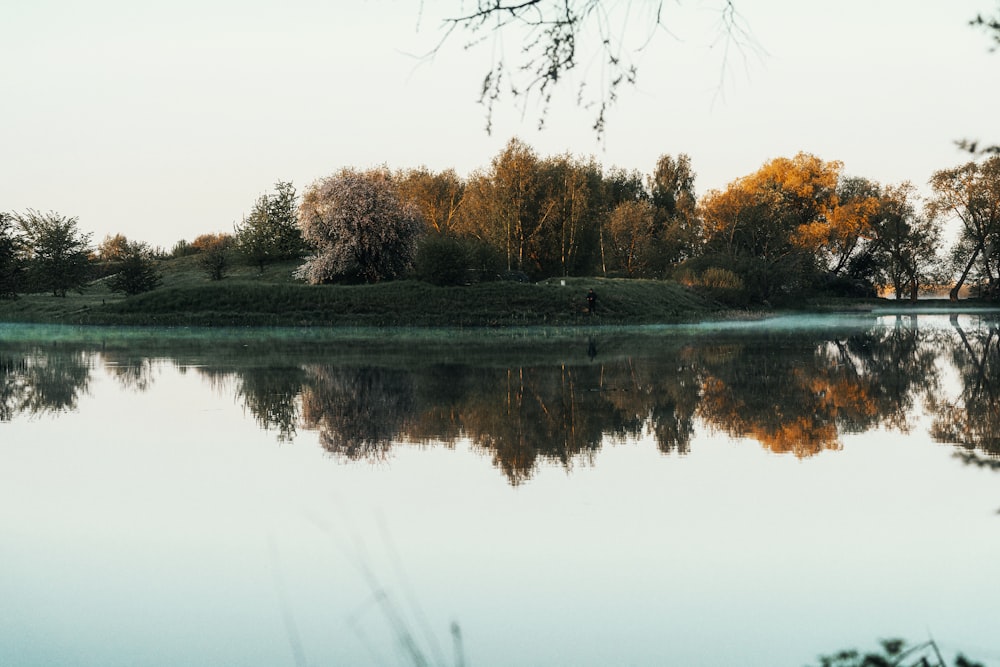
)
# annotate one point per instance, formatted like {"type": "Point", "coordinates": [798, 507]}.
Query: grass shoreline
{"type": "Point", "coordinates": [249, 298]}
{"type": "Point", "coordinates": [257, 301]}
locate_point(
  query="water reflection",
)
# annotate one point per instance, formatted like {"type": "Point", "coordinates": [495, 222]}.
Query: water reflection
{"type": "Point", "coordinates": [794, 391]}
{"type": "Point", "coordinates": [35, 383]}
{"type": "Point", "coordinates": [358, 412]}
{"type": "Point", "coordinates": [799, 395]}
{"type": "Point", "coordinates": [972, 419]}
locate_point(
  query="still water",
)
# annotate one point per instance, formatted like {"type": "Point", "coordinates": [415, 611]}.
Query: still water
{"type": "Point", "coordinates": [730, 494]}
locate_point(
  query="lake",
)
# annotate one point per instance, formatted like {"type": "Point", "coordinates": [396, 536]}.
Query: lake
{"type": "Point", "coordinates": [743, 493]}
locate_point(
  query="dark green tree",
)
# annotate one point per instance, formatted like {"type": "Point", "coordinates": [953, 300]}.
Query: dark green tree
{"type": "Point", "coordinates": [271, 231]}
{"type": "Point", "coordinates": [443, 260]}
{"type": "Point", "coordinates": [11, 261]}
{"type": "Point", "coordinates": [136, 269]}
{"type": "Point", "coordinates": [57, 251]}
{"type": "Point", "coordinates": [905, 242]}
{"type": "Point", "coordinates": [676, 228]}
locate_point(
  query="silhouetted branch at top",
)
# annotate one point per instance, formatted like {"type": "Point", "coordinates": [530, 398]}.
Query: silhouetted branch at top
{"type": "Point", "coordinates": [991, 24]}
{"type": "Point", "coordinates": [555, 38]}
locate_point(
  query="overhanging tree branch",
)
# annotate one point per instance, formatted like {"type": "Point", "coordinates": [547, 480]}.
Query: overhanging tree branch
{"type": "Point", "coordinates": [557, 36]}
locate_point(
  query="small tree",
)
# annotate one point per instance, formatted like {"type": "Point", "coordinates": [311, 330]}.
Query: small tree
{"type": "Point", "coordinates": [271, 231]}
{"type": "Point", "coordinates": [137, 271]}
{"type": "Point", "coordinates": [113, 248]}
{"type": "Point", "coordinates": [11, 261]}
{"type": "Point", "coordinates": [359, 227]}
{"type": "Point", "coordinates": [214, 254]}
{"type": "Point", "coordinates": [58, 253]}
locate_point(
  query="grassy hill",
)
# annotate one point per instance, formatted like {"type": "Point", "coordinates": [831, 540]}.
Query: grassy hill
{"type": "Point", "coordinates": [246, 297]}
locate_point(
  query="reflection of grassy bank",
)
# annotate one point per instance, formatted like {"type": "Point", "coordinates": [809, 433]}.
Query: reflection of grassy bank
{"type": "Point", "coordinates": [403, 347]}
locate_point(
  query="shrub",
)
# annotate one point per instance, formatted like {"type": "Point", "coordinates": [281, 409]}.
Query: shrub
{"type": "Point", "coordinates": [443, 260]}
{"type": "Point", "coordinates": [136, 270]}
{"type": "Point", "coordinates": [214, 253]}
{"type": "Point", "coordinates": [715, 282]}
{"type": "Point", "coordinates": [487, 262]}
{"type": "Point", "coordinates": [721, 279]}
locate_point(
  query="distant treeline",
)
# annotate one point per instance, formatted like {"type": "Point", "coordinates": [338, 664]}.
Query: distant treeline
{"type": "Point", "coordinates": [796, 225]}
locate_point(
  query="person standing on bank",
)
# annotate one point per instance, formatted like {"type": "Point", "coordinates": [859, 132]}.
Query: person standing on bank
{"type": "Point", "coordinates": [591, 302]}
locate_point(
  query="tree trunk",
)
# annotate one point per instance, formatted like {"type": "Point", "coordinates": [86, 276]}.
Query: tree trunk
{"type": "Point", "coordinates": [953, 294]}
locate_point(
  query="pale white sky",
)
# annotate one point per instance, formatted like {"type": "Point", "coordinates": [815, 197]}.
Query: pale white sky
{"type": "Point", "coordinates": [164, 120]}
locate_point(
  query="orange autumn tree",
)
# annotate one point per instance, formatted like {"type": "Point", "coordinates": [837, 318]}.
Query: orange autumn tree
{"type": "Point", "coordinates": [785, 225]}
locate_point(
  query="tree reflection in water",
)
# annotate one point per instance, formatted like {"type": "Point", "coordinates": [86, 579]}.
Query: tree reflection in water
{"type": "Point", "coordinates": [359, 411]}
{"type": "Point", "coordinates": [269, 392]}
{"type": "Point", "coordinates": [796, 395]}
{"type": "Point", "coordinates": [37, 383]}
{"type": "Point", "coordinates": [796, 392]}
{"type": "Point", "coordinates": [132, 370]}
{"type": "Point", "coordinates": [972, 420]}
{"type": "Point", "coordinates": [517, 415]}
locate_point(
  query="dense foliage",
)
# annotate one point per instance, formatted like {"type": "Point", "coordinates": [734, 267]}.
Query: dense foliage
{"type": "Point", "coordinates": [271, 232]}
{"type": "Point", "coordinates": [794, 228]}
{"type": "Point", "coordinates": [11, 262]}
{"type": "Point", "coordinates": [57, 252]}
{"type": "Point", "coordinates": [971, 193]}
{"type": "Point", "coordinates": [136, 269]}
{"type": "Point", "coordinates": [359, 228]}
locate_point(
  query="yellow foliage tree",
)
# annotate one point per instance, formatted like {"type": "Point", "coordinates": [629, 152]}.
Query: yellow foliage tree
{"type": "Point", "coordinates": [790, 218]}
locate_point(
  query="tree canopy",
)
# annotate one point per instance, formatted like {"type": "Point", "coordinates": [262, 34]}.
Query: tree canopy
{"type": "Point", "coordinates": [11, 261]}
{"type": "Point", "coordinates": [359, 227]}
{"type": "Point", "coordinates": [271, 231]}
{"type": "Point", "coordinates": [57, 251]}
{"type": "Point", "coordinates": [136, 268]}
{"type": "Point", "coordinates": [971, 193]}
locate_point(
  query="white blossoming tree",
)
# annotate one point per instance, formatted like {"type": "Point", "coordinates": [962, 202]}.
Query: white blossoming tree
{"type": "Point", "coordinates": [359, 227]}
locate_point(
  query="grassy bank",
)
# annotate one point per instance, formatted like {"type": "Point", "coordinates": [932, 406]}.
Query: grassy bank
{"type": "Point", "coordinates": [249, 298]}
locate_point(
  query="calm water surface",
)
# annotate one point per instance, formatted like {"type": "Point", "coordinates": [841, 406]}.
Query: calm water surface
{"type": "Point", "coordinates": [753, 494]}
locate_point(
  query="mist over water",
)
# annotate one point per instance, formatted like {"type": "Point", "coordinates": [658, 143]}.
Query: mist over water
{"type": "Point", "coordinates": [754, 492]}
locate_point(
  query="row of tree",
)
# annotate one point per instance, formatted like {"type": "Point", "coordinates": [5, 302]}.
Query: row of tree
{"type": "Point", "coordinates": [47, 252]}
{"type": "Point", "coordinates": [794, 225]}
{"type": "Point", "coordinates": [523, 216]}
